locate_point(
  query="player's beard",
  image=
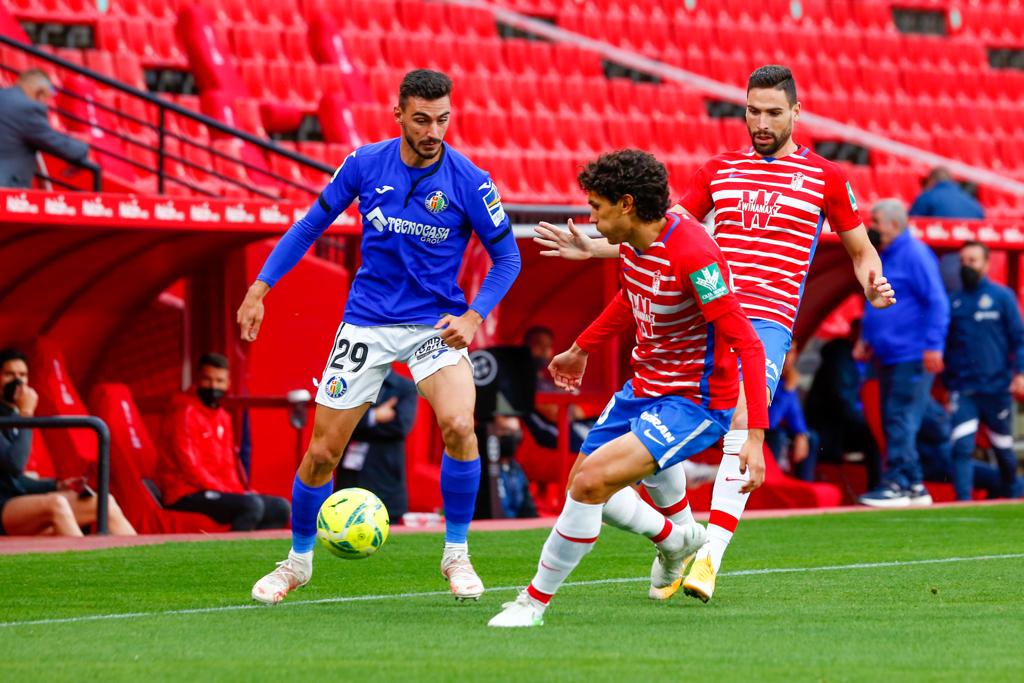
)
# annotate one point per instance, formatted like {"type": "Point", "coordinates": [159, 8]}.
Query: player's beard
{"type": "Point", "coordinates": [777, 141]}
{"type": "Point", "coordinates": [417, 151]}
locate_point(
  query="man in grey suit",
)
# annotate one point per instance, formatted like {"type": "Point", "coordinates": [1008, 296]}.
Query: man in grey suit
{"type": "Point", "coordinates": [25, 130]}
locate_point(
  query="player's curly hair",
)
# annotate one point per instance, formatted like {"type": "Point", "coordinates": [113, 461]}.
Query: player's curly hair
{"type": "Point", "coordinates": [774, 76]}
{"type": "Point", "coordinates": [425, 84]}
{"type": "Point", "coordinates": [632, 172]}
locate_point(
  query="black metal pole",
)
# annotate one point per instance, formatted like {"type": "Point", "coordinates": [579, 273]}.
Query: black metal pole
{"type": "Point", "coordinates": [103, 452]}
{"type": "Point", "coordinates": [161, 147]}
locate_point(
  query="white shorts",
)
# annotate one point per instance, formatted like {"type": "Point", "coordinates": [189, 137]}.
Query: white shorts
{"type": "Point", "coordinates": [361, 357]}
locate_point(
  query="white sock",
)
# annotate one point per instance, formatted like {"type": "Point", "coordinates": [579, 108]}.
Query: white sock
{"type": "Point", "coordinates": [302, 559]}
{"type": "Point", "coordinates": [727, 502]}
{"type": "Point", "coordinates": [627, 510]}
{"type": "Point", "coordinates": [457, 546]}
{"type": "Point", "coordinates": [572, 538]}
{"type": "Point", "coordinates": [667, 489]}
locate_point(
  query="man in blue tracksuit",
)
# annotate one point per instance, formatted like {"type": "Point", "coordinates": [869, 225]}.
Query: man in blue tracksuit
{"type": "Point", "coordinates": [984, 366]}
{"type": "Point", "coordinates": [906, 341]}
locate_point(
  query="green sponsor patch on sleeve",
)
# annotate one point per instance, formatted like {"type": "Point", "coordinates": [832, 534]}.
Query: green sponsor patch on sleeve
{"type": "Point", "coordinates": [853, 200]}
{"type": "Point", "coordinates": [709, 283]}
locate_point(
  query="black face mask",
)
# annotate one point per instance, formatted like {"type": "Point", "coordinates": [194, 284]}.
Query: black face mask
{"type": "Point", "coordinates": [508, 444]}
{"type": "Point", "coordinates": [9, 390]}
{"type": "Point", "coordinates": [970, 277]}
{"type": "Point", "coordinates": [210, 397]}
{"type": "Point", "coordinates": [875, 238]}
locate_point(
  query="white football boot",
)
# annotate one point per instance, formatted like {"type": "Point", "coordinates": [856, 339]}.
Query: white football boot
{"type": "Point", "coordinates": [674, 553]}
{"type": "Point", "coordinates": [456, 567]}
{"type": "Point", "coordinates": [523, 612]}
{"type": "Point", "coordinates": [290, 574]}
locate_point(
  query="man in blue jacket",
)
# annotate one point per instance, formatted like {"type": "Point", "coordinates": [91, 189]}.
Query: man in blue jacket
{"type": "Point", "coordinates": [906, 342]}
{"type": "Point", "coordinates": [944, 198]}
{"type": "Point", "coordinates": [984, 367]}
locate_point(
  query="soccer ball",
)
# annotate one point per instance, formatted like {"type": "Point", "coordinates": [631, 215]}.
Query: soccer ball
{"type": "Point", "coordinates": [353, 523]}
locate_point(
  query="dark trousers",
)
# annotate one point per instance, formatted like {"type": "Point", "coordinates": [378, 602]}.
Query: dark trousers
{"type": "Point", "coordinates": [905, 388]}
{"type": "Point", "coordinates": [994, 411]}
{"type": "Point", "coordinates": [243, 511]}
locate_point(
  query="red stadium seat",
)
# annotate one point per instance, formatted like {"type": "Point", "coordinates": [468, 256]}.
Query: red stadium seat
{"type": "Point", "coordinates": [133, 458]}
{"type": "Point", "coordinates": [73, 450]}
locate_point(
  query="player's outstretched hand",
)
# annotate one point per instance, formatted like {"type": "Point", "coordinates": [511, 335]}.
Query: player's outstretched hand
{"type": "Point", "coordinates": [752, 460]}
{"type": "Point", "coordinates": [250, 313]}
{"type": "Point", "coordinates": [572, 244]}
{"type": "Point", "coordinates": [879, 292]}
{"type": "Point", "coordinates": [459, 330]}
{"type": "Point", "coordinates": [567, 368]}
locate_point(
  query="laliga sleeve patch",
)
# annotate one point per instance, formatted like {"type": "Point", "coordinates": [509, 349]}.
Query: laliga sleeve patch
{"type": "Point", "coordinates": [709, 284]}
{"type": "Point", "coordinates": [492, 200]}
{"type": "Point", "coordinates": [849, 193]}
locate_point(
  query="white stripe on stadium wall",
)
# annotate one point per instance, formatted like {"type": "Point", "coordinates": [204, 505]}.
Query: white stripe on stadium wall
{"type": "Point", "coordinates": [427, 594]}
{"type": "Point", "coordinates": [738, 95]}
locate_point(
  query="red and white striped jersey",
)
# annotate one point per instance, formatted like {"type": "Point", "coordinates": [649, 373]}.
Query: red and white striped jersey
{"type": "Point", "coordinates": [676, 288]}
{"type": "Point", "coordinates": [768, 216]}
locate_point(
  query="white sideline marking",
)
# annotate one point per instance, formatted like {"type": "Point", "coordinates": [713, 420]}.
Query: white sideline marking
{"type": "Point", "coordinates": [595, 582]}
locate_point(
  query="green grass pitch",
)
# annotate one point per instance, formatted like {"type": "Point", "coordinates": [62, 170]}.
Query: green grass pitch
{"type": "Point", "coordinates": [941, 620]}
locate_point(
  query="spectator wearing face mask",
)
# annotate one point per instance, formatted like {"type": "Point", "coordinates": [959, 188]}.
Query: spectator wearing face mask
{"type": "Point", "coordinates": [199, 470]}
{"type": "Point", "coordinates": [906, 343]}
{"type": "Point", "coordinates": [984, 369]}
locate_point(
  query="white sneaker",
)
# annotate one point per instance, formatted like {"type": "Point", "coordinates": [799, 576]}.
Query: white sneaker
{"type": "Point", "coordinates": [464, 582]}
{"type": "Point", "coordinates": [523, 612]}
{"type": "Point", "coordinates": [290, 574]}
{"type": "Point", "coordinates": [673, 555]}
{"type": "Point", "coordinates": [919, 496]}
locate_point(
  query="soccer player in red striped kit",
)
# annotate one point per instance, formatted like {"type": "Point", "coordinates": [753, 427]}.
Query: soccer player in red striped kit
{"type": "Point", "coordinates": [770, 202]}
{"type": "Point", "coordinates": [676, 294]}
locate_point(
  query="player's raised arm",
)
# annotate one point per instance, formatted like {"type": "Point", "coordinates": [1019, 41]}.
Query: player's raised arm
{"type": "Point", "coordinates": [293, 245]}
{"type": "Point", "coordinates": [495, 231]}
{"type": "Point", "coordinates": [572, 244]}
{"type": "Point", "coordinates": [841, 210]}
{"type": "Point", "coordinates": [868, 267]}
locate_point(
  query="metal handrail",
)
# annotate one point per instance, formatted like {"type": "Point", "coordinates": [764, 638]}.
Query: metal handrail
{"type": "Point", "coordinates": [102, 455]}
{"type": "Point", "coordinates": [164, 106]}
{"type": "Point", "coordinates": [90, 166]}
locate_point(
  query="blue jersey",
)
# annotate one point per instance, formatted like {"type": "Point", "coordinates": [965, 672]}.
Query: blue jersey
{"type": "Point", "coordinates": [416, 225]}
{"type": "Point", "coordinates": [986, 340]}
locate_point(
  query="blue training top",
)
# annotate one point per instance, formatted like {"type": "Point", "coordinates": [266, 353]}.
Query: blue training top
{"type": "Point", "coordinates": [416, 226]}
{"type": "Point", "coordinates": [985, 346]}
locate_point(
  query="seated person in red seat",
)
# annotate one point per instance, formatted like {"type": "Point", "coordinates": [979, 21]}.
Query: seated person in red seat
{"type": "Point", "coordinates": [199, 470]}
{"type": "Point", "coordinates": [30, 506]}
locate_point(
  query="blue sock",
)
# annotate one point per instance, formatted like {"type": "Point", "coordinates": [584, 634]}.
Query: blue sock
{"type": "Point", "coordinates": [306, 502]}
{"type": "Point", "coordinates": [459, 483]}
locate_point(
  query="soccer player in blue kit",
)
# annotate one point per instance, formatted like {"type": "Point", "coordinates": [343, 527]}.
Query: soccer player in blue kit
{"type": "Point", "coordinates": [420, 201]}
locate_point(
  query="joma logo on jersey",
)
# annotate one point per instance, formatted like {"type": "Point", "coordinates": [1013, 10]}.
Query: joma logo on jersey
{"type": "Point", "coordinates": [431, 234]}
{"type": "Point", "coordinates": [642, 314]}
{"type": "Point", "coordinates": [758, 208]}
